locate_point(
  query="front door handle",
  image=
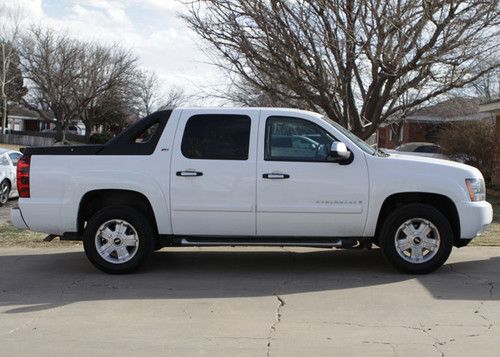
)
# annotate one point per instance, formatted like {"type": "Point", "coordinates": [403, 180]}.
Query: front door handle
{"type": "Point", "coordinates": [276, 176]}
{"type": "Point", "coordinates": [189, 173]}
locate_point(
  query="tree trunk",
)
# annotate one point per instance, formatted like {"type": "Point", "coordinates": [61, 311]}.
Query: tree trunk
{"type": "Point", "coordinates": [88, 131]}
{"type": "Point", "coordinates": [59, 132]}
{"type": "Point", "coordinates": [4, 114]}
{"type": "Point", "coordinates": [64, 127]}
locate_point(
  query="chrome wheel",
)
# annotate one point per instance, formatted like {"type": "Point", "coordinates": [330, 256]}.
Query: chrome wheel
{"type": "Point", "coordinates": [4, 192]}
{"type": "Point", "coordinates": [117, 241]}
{"type": "Point", "coordinates": [417, 240]}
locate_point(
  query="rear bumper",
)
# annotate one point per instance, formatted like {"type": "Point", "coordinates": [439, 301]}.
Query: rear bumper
{"type": "Point", "coordinates": [474, 218]}
{"type": "Point", "coordinates": [17, 218]}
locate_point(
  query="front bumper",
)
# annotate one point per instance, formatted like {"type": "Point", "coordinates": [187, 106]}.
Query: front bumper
{"type": "Point", "coordinates": [17, 218]}
{"type": "Point", "coordinates": [474, 218]}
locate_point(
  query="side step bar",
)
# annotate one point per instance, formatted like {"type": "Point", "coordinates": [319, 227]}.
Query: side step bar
{"type": "Point", "coordinates": [278, 242]}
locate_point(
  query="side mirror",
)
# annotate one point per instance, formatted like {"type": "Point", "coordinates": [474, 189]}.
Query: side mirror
{"type": "Point", "coordinates": [339, 152]}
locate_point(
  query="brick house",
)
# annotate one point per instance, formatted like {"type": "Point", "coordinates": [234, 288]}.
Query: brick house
{"type": "Point", "coordinates": [423, 125]}
{"type": "Point", "coordinates": [493, 108]}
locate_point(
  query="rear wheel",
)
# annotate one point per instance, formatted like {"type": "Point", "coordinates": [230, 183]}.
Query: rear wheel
{"type": "Point", "coordinates": [416, 238]}
{"type": "Point", "coordinates": [118, 239]}
{"type": "Point", "coordinates": [4, 192]}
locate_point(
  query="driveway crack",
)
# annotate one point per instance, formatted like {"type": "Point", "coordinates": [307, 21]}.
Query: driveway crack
{"type": "Point", "coordinates": [277, 320]}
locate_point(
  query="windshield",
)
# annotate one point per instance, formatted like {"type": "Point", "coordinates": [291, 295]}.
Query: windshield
{"type": "Point", "coordinates": [357, 141]}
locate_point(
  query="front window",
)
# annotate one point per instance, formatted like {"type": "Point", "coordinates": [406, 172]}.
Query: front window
{"type": "Point", "coordinates": [294, 139]}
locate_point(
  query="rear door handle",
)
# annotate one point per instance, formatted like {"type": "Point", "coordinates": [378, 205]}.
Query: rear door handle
{"type": "Point", "coordinates": [275, 176]}
{"type": "Point", "coordinates": [189, 173]}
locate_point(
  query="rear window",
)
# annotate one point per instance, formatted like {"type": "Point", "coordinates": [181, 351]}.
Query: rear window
{"type": "Point", "coordinates": [216, 137]}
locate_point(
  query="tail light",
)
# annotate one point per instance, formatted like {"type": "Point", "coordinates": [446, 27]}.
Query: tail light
{"type": "Point", "coordinates": [23, 176]}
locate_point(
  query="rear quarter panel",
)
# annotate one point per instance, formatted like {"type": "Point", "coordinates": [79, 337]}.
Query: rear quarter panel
{"type": "Point", "coordinates": [58, 183]}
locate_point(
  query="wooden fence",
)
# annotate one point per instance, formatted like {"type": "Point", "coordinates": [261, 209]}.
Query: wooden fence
{"type": "Point", "coordinates": [27, 138]}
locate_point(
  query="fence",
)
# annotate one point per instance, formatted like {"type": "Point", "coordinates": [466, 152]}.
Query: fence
{"type": "Point", "coordinates": [28, 138]}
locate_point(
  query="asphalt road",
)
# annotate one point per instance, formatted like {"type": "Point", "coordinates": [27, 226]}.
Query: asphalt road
{"type": "Point", "coordinates": [248, 302]}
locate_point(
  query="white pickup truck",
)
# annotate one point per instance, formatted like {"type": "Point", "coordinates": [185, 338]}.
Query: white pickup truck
{"type": "Point", "coordinates": [248, 176]}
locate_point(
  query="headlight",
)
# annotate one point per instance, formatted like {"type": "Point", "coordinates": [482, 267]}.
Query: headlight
{"type": "Point", "coordinates": [476, 189]}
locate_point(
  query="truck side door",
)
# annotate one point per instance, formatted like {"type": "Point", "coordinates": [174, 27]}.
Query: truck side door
{"type": "Point", "coordinates": [213, 172]}
{"type": "Point", "coordinates": [299, 191]}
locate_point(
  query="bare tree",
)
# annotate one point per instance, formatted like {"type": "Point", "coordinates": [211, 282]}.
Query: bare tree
{"type": "Point", "coordinates": [11, 80]}
{"type": "Point", "coordinates": [353, 60]}
{"type": "Point", "coordinates": [107, 76]}
{"type": "Point", "coordinates": [67, 76]}
{"type": "Point", "coordinates": [150, 96]}
{"type": "Point", "coordinates": [174, 97]}
{"type": "Point", "coordinates": [147, 91]}
{"type": "Point", "coordinates": [487, 87]}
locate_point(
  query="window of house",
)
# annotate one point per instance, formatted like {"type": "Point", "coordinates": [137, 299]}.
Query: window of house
{"type": "Point", "coordinates": [216, 137]}
{"type": "Point", "coordinates": [294, 139]}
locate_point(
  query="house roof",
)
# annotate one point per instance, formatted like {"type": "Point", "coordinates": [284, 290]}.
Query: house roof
{"type": "Point", "coordinates": [25, 113]}
{"type": "Point", "coordinates": [17, 110]}
{"type": "Point", "coordinates": [492, 106]}
{"type": "Point", "coordinates": [455, 109]}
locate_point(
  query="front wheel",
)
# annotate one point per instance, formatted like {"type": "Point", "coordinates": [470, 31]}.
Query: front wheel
{"type": "Point", "coordinates": [416, 238]}
{"type": "Point", "coordinates": [4, 192]}
{"type": "Point", "coordinates": [118, 239]}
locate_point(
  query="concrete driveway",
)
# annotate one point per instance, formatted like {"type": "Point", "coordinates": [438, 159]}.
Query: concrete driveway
{"type": "Point", "coordinates": [254, 302]}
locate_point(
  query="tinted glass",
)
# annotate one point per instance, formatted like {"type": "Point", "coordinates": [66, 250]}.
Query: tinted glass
{"type": "Point", "coordinates": [293, 139]}
{"type": "Point", "coordinates": [431, 149]}
{"type": "Point", "coordinates": [14, 156]}
{"type": "Point", "coordinates": [216, 137]}
{"type": "Point", "coordinates": [146, 135]}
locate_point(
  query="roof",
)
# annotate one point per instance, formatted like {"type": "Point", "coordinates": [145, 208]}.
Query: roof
{"type": "Point", "coordinates": [25, 113]}
{"type": "Point", "coordinates": [455, 109]}
{"type": "Point", "coordinates": [17, 110]}
{"type": "Point", "coordinates": [492, 106]}
{"type": "Point", "coordinates": [279, 110]}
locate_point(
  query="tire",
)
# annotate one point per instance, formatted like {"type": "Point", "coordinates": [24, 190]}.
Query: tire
{"type": "Point", "coordinates": [4, 192]}
{"type": "Point", "coordinates": [123, 235]}
{"type": "Point", "coordinates": [424, 231]}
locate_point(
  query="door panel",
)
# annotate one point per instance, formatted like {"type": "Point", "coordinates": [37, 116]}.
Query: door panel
{"type": "Point", "coordinates": [318, 198]}
{"type": "Point", "coordinates": [213, 174]}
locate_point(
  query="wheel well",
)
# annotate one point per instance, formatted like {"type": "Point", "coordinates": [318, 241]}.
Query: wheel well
{"type": "Point", "coordinates": [442, 203]}
{"type": "Point", "coordinates": [93, 201]}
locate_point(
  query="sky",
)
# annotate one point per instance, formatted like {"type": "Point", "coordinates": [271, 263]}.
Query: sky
{"type": "Point", "coordinates": [151, 28]}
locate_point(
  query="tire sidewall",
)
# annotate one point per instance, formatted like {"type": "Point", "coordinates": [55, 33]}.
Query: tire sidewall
{"type": "Point", "coordinates": [8, 191]}
{"type": "Point", "coordinates": [403, 214]}
{"type": "Point", "coordinates": [133, 217]}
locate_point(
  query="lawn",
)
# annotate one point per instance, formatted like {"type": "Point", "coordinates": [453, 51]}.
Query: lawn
{"type": "Point", "coordinates": [492, 234]}
{"type": "Point", "coordinates": [10, 236]}
{"type": "Point", "coordinates": [10, 147]}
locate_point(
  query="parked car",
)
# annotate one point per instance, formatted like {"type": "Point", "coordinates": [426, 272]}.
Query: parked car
{"type": "Point", "coordinates": [8, 182]}
{"type": "Point", "coordinates": [212, 177]}
{"type": "Point", "coordinates": [72, 129]}
{"type": "Point", "coordinates": [420, 149]}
